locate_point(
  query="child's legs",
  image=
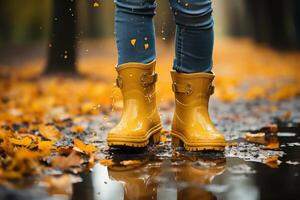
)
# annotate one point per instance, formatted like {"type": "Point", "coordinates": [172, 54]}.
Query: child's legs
{"type": "Point", "coordinates": [194, 35]}
{"type": "Point", "coordinates": [134, 30]}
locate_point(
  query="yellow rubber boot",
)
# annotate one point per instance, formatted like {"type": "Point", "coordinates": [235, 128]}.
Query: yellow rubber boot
{"type": "Point", "coordinates": [192, 126]}
{"type": "Point", "coordinates": [140, 120]}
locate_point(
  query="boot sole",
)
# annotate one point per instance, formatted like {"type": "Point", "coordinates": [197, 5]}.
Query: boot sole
{"type": "Point", "coordinates": [153, 135]}
{"type": "Point", "coordinates": [178, 141]}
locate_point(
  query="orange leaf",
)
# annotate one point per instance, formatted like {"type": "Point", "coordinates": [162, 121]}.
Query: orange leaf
{"type": "Point", "coordinates": [131, 162]}
{"type": "Point", "coordinates": [107, 162]}
{"type": "Point", "coordinates": [50, 132]}
{"type": "Point", "coordinates": [26, 141]}
{"type": "Point", "coordinates": [85, 148]}
{"type": "Point", "coordinates": [64, 163]}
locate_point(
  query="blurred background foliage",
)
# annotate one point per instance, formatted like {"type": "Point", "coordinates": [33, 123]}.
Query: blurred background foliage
{"type": "Point", "coordinates": [273, 22]}
{"type": "Point", "coordinates": [56, 29]}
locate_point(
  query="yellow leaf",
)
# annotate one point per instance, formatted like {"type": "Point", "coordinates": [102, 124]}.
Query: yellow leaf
{"type": "Point", "coordinates": [26, 141]}
{"type": "Point", "coordinates": [25, 154]}
{"type": "Point", "coordinates": [50, 132]}
{"type": "Point", "coordinates": [46, 146]}
{"type": "Point", "coordinates": [107, 162]}
{"type": "Point", "coordinates": [77, 129]}
{"type": "Point", "coordinates": [131, 162]}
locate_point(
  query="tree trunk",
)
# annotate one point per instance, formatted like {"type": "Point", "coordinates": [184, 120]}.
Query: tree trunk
{"type": "Point", "coordinates": [62, 47]}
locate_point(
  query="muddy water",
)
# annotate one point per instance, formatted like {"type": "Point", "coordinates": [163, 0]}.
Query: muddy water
{"type": "Point", "coordinates": [160, 173]}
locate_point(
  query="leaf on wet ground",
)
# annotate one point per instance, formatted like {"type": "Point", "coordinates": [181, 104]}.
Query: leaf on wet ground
{"type": "Point", "coordinates": [60, 185]}
{"type": "Point", "coordinates": [65, 163]}
{"type": "Point", "coordinates": [26, 141]}
{"type": "Point", "coordinates": [272, 146]}
{"type": "Point", "coordinates": [107, 162]}
{"type": "Point", "coordinates": [258, 138]}
{"type": "Point", "coordinates": [272, 162]}
{"type": "Point", "coordinates": [131, 162]}
{"type": "Point", "coordinates": [84, 148]}
{"type": "Point", "coordinates": [50, 132]}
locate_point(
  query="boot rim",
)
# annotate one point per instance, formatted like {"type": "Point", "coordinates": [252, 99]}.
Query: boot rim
{"type": "Point", "coordinates": [176, 74]}
{"type": "Point", "coordinates": [136, 65]}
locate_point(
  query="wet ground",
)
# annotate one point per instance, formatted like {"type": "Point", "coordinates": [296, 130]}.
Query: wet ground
{"type": "Point", "coordinates": [246, 170]}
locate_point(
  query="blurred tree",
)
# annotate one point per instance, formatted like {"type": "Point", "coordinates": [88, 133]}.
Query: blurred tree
{"type": "Point", "coordinates": [272, 22]}
{"type": "Point", "coordinates": [63, 38]}
{"type": "Point", "coordinates": [93, 15]}
{"type": "Point", "coordinates": [164, 21]}
{"type": "Point", "coordinates": [25, 23]}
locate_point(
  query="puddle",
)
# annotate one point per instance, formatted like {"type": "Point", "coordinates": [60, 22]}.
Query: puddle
{"type": "Point", "coordinates": [244, 171]}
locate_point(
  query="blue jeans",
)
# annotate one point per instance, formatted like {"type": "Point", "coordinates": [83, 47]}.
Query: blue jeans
{"type": "Point", "coordinates": [135, 35]}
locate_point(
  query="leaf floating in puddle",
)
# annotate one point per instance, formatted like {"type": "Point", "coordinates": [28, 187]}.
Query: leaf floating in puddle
{"type": "Point", "coordinates": [107, 162]}
{"type": "Point", "coordinates": [131, 162]}
{"type": "Point", "coordinates": [272, 162]}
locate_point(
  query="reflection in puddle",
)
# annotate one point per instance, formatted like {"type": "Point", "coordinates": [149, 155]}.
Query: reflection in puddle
{"type": "Point", "coordinates": [187, 177]}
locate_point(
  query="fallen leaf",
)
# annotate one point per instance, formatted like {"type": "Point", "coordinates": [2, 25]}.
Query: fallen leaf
{"type": "Point", "coordinates": [272, 162]}
{"type": "Point", "coordinates": [107, 162]}
{"type": "Point", "coordinates": [65, 150]}
{"type": "Point", "coordinates": [77, 129]}
{"type": "Point", "coordinates": [272, 146]}
{"type": "Point", "coordinates": [60, 185]}
{"type": "Point", "coordinates": [65, 163]}
{"type": "Point", "coordinates": [46, 146]}
{"type": "Point", "coordinates": [26, 141]}
{"type": "Point", "coordinates": [50, 132]}
{"type": "Point", "coordinates": [131, 162]}
{"type": "Point", "coordinates": [84, 148]}
{"type": "Point", "coordinates": [258, 138]}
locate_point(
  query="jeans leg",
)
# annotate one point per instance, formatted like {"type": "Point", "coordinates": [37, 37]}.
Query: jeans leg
{"type": "Point", "coordinates": [134, 30]}
{"type": "Point", "coordinates": [194, 35]}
